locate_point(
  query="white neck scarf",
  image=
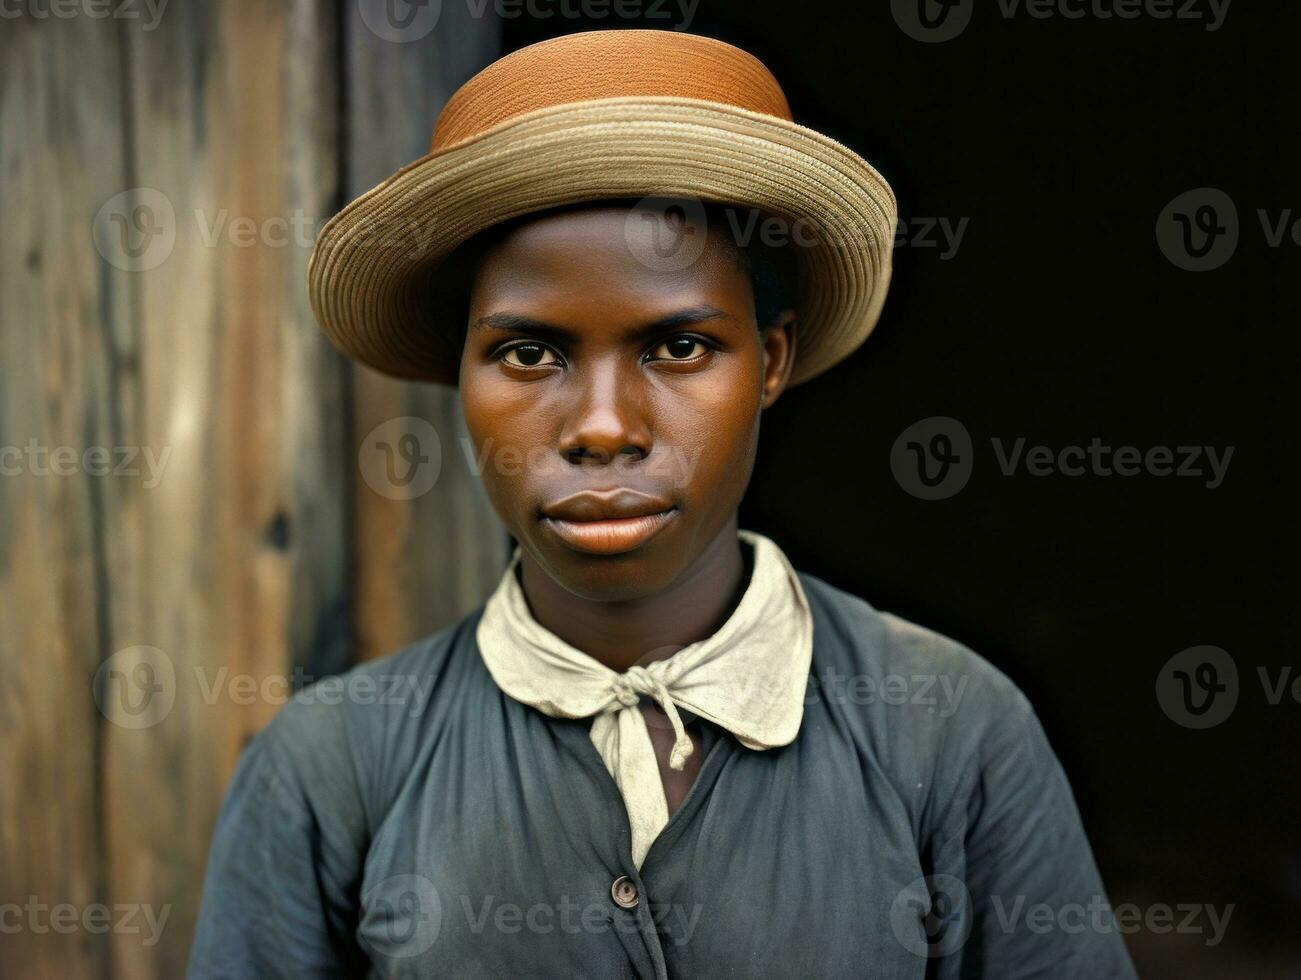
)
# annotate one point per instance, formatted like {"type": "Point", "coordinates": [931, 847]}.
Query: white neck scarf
{"type": "Point", "coordinates": [750, 677]}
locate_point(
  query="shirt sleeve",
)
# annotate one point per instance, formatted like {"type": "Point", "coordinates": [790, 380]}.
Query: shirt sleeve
{"type": "Point", "coordinates": [280, 891]}
{"type": "Point", "coordinates": [1015, 891]}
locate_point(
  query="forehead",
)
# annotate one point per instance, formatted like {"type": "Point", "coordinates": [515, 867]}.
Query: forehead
{"type": "Point", "coordinates": [597, 254]}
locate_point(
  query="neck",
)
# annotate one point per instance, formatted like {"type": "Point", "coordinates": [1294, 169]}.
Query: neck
{"type": "Point", "coordinates": [621, 634]}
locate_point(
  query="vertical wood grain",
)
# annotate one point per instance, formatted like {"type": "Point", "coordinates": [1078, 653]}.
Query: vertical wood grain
{"type": "Point", "coordinates": [242, 570]}
{"type": "Point", "coordinates": [237, 561]}
{"type": "Point", "coordinates": [65, 331]}
{"type": "Point", "coordinates": [255, 553]}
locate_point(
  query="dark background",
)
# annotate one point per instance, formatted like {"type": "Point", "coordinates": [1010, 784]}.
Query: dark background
{"type": "Point", "coordinates": [1060, 319]}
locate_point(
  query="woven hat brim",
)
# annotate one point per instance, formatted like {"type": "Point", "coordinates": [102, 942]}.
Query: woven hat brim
{"type": "Point", "coordinates": [376, 263]}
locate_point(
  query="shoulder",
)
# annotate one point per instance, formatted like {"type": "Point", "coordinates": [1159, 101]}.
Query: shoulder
{"type": "Point", "coordinates": [935, 717]}
{"type": "Point", "coordinates": [852, 635]}
{"type": "Point", "coordinates": [350, 733]}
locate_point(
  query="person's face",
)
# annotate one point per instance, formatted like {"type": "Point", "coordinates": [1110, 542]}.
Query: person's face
{"type": "Point", "coordinates": [614, 400]}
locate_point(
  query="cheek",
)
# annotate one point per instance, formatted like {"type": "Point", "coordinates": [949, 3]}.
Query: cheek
{"type": "Point", "coordinates": [713, 430]}
{"type": "Point", "coordinates": [509, 440]}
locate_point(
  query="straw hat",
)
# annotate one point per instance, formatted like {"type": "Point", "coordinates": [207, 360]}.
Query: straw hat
{"type": "Point", "coordinates": [592, 116]}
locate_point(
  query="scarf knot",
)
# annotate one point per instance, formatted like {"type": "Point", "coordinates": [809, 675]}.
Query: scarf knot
{"type": "Point", "coordinates": [637, 680]}
{"type": "Point", "coordinates": [749, 678]}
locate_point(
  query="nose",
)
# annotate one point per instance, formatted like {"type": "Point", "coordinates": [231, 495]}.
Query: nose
{"type": "Point", "coordinates": [607, 420]}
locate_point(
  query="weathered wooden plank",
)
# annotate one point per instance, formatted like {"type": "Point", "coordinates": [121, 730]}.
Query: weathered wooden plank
{"type": "Point", "coordinates": [154, 301]}
{"type": "Point", "coordinates": [422, 562]}
{"type": "Point", "coordinates": [239, 557]}
{"type": "Point", "coordinates": [61, 321]}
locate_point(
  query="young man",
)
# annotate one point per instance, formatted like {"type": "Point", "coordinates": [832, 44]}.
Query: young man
{"type": "Point", "coordinates": [657, 750]}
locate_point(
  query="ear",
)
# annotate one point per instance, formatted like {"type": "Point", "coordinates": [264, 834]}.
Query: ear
{"type": "Point", "coordinates": [778, 341]}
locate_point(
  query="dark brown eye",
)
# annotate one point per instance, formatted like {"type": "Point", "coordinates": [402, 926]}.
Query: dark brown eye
{"type": "Point", "coordinates": [678, 349]}
{"type": "Point", "coordinates": [529, 355]}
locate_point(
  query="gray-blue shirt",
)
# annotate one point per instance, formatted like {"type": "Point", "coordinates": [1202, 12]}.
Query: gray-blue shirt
{"type": "Point", "coordinates": [409, 819]}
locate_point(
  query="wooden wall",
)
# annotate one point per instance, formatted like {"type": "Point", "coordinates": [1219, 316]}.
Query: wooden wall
{"type": "Point", "coordinates": [183, 520]}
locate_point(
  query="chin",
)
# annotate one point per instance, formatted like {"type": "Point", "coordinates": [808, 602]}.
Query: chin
{"type": "Point", "coordinates": [638, 574]}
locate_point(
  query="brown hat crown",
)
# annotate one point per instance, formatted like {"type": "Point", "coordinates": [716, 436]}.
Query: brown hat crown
{"type": "Point", "coordinates": [608, 64]}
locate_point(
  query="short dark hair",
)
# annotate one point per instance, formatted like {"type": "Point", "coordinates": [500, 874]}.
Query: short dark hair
{"type": "Point", "coordinates": [771, 266]}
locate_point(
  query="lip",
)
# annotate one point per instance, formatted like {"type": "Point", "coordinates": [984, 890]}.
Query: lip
{"type": "Point", "coordinates": [615, 504]}
{"type": "Point", "coordinates": [608, 522]}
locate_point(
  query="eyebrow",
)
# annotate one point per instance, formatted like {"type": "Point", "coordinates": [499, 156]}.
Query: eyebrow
{"type": "Point", "coordinates": [526, 324]}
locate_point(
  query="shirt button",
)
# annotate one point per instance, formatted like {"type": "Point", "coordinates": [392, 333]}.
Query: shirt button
{"type": "Point", "coordinates": [624, 892]}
